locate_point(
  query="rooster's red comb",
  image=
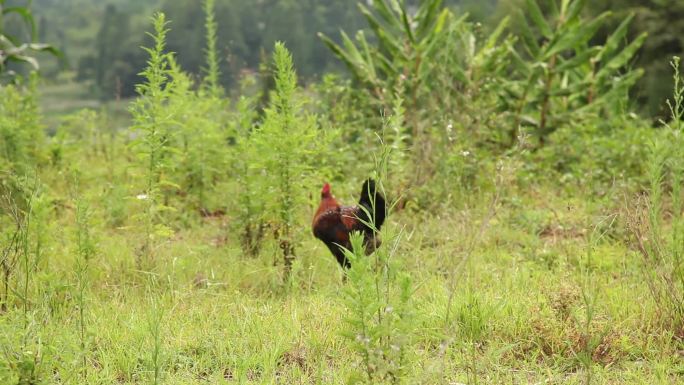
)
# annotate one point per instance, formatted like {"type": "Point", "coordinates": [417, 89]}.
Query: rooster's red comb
{"type": "Point", "coordinates": [326, 189]}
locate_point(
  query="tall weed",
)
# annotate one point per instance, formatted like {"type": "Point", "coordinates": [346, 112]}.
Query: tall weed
{"type": "Point", "coordinates": [152, 118]}
{"type": "Point", "coordinates": [657, 220]}
{"type": "Point", "coordinates": [285, 141]}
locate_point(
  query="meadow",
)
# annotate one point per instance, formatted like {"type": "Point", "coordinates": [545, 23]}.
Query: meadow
{"type": "Point", "coordinates": [535, 233]}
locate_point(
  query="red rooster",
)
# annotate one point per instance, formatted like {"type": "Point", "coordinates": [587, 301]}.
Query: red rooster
{"type": "Point", "coordinates": [333, 223]}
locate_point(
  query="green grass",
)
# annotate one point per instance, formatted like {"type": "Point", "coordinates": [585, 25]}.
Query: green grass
{"type": "Point", "coordinates": [226, 318]}
{"type": "Point", "coordinates": [66, 96]}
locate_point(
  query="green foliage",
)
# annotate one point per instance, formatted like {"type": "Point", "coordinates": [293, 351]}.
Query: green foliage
{"type": "Point", "coordinates": [566, 77]}
{"type": "Point", "coordinates": [21, 131]}
{"type": "Point", "coordinates": [212, 71]}
{"type": "Point", "coordinates": [426, 62]}
{"type": "Point", "coordinates": [659, 238]}
{"type": "Point", "coordinates": [285, 141]}
{"type": "Point", "coordinates": [86, 249]}
{"type": "Point", "coordinates": [197, 139]}
{"type": "Point", "coordinates": [12, 48]}
{"type": "Point", "coordinates": [250, 204]}
{"type": "Point", "coordinates": [662, 20]}
{"type": "Point", "coordinates": [153, 117]}
{"type": "Point", "coordinates": [379, 326]}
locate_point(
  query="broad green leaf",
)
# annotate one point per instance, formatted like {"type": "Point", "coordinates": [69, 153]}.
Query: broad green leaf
{"type": "Point", "coordinates": [621, 59]}
{"type": "Point", "coordinates": [580, 58]}
{"type": "Point", "coordinates": [615, 38]}
{"type": "Point", "coordinates": [389, 43]}
{"type": "Point", "coordinates": [581, 34]}
{"type": "Point", "coordinates": [23, 58]}
{"type": "Point", "coordinates": [338, 51]}
{"type": "Point", "coordinates": [25, 13]}
{"type": "Point", "coordinates": [361, 38]}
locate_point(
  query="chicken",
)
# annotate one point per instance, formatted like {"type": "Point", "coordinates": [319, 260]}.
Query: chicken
{"type": "Point", "coordinates": [333, 223]}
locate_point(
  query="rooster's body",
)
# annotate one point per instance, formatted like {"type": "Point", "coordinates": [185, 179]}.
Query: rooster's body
{"type": "Point", "coordinates": [333, 223]}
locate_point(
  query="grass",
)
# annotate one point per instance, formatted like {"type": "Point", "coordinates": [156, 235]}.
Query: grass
{"type": "Point", "coordinates": [67, 96]}
{"type": "Point", "coordinates": [514, 313]}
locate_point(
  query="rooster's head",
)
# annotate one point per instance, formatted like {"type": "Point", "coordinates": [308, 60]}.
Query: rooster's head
{"type": "Point", "coordinates": [325, 192]}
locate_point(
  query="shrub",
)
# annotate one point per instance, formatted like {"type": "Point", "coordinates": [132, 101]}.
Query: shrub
{"type": "Point", "coordinates": [285, 141]}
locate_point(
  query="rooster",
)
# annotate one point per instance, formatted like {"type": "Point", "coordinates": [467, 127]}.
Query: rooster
{"type": "Point", "coordinates": [333, 223]}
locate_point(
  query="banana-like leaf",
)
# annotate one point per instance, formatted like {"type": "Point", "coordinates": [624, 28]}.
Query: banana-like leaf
{"type": "Point", "coordinates": [577, 36]}
{"type": "Point", "coordinates": [579, 59]}
{"type": "Point", "coordinates": [25, 14]}
{"type": "Point", "coordinates": [389, 43]}
{"type": "Point", "coordinates": [22, 58]}
{"type": "Point", "coordinates": [615, 39]}
{"type": "Point", "coordinates": [538, 18]}
{"type": "Point", "coordinates": [349, 60]}
{"type": "Point", "coordinates": [620, 85]}
{"type": "Point", "coordinates": [368, 62]}
{"type": "Point", "coordinates": [621, 59]}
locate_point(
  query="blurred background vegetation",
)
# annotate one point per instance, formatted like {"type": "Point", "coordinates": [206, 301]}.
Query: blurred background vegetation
{"type": "Point", "coordinates": [101, 40]}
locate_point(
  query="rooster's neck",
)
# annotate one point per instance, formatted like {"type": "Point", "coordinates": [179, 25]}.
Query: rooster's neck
{"type": "Point", "coordinates": [327, 203]}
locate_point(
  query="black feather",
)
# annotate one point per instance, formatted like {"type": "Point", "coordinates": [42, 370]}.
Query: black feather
{"type": "Point", "coordinates": [373, 202]}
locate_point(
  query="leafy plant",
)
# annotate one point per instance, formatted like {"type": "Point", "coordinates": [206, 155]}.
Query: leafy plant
{"type": "Point", "coordinates": [12, 49]}
{"type": "Point", "coordinates": [560, 75]}
{"type": "Point", "coordinates": [86, 249]}
{"type": "Point", "coordinates": [379, 326]}
{"type": "Point", "coordinates": [285, 142]}
{"type": "Point", "coordinates": [660, 244]}
{"type": "Point", "coordinates": [152, 119]}
{"type": "Point", "coordinates": [437, 66]}
{"type": "Point", "coordinates": [251, 220]}
{"type": "Point", "coordinates": [21, 131]}
{"type": "Point", "coordinates": [402, 58]}
{"type": "Point", "coordinates": [212, 71]}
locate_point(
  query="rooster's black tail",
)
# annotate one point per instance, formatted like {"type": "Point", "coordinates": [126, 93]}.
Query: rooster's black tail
{"type": "Point", "coordinates": [374, 203]}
